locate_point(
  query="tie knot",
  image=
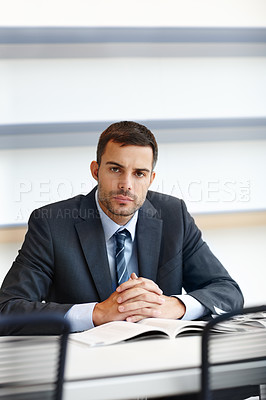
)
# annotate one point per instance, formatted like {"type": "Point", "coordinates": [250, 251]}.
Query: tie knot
{"type": "Point", "coordinates": [121, 236]}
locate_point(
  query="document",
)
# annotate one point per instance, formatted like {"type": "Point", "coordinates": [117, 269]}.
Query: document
{"type": "Point", "coordinates": [119, 331]}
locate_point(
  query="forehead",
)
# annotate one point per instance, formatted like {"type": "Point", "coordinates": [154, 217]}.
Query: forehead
{"type": "Point", "coordinates": [128, 155]}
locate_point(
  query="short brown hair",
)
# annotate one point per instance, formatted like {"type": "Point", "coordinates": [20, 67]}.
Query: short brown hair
{"type": "Point", "coordinates": [127, 133]}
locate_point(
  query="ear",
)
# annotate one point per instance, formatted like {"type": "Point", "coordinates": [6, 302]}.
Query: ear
{"type": "Point", "coordinates": [94, 170]}
{"type": "Point", "coordinates": [152, 177]}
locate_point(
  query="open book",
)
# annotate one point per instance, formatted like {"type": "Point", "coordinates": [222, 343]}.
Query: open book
{"type": "Point", "coordinates": [119, 331]}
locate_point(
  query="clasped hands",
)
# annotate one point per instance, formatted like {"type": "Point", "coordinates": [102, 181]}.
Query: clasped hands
{"type": "Point", "coordinates": [136, 299]}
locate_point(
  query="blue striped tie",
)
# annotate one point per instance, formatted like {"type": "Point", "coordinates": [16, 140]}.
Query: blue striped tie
{"type": "Point", "coordinates": [121, 269]}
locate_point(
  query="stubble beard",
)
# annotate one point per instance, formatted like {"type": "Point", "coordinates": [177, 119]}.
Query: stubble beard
{"type": "Point", "coordinates": [105, 200]}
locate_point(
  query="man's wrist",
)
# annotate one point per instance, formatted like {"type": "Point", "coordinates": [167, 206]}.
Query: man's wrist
{"type": "Point", "coordinates": [80, 317]}
{"type": "Point", "coordinates": [97, 315]}
{"type": "Point", "coordinates": [194, 309]}
{"type": "Point", "coordinates": [182, 307]}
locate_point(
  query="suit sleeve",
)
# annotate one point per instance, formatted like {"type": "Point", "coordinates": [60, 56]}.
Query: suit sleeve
{"type": "Point", "coordinates": [205, 278]}
{"type": "Point", "coordinates": [27, 285]}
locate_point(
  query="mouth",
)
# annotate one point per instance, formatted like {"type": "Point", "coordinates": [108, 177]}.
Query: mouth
{"type": "Point", "coordinates": [123, 199]}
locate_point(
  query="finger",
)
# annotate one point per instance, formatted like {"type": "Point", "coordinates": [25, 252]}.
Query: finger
{"type": "Point", "coordinates": [139, 294]}
{"type": "Point", "coordinates": [135, 318]}
{"type": "Point", "coordinates": [142, 282]}
{"type": "Point", "coordinates": [136, 306]}
{"type": "Point", "coordinates": [128, 284]}
{"type": "Point", "coordinates": [142, 314]}
{"type": "Point", "coordinates": [133, 276]}
{"type": "Point", "coordinates": [130, 294]}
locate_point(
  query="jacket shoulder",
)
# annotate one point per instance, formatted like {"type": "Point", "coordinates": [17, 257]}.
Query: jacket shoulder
{"type": "Point", "coordinates": [169, 208]}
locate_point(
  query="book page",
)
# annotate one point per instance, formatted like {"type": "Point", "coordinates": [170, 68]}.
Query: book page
{"type": "Point", "coordinates": [118, 331]}
{"type": "Point", "coordinates": [174, 327]}
{"type": "Point", "coordinates": [113, 332]}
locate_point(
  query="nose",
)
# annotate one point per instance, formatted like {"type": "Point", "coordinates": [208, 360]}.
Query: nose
{"type": "Point", "coordinates": [125, 182]}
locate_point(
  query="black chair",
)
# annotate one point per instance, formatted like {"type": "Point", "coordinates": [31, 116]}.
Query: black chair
{"type": "Point", "coordinates": [234, 363]}
{"type": "Point", "coordinates": [32, 367]}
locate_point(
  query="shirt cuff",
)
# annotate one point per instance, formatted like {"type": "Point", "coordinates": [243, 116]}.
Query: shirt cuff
{"type": "Point", "coordinates": [194, 309]}
{"type": "Point", "coordinates": [80, 317]}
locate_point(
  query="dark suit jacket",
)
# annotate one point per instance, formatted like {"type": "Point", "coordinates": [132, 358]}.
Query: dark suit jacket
{"type": "Point", "coordinates": [63, 260]}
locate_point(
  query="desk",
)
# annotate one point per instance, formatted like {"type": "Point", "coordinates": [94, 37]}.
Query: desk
{"type": "Point", "coordinates": [140, 369]}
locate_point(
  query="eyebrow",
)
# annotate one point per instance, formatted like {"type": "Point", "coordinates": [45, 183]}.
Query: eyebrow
{"type": "Point", "coordinates": [121, 166]}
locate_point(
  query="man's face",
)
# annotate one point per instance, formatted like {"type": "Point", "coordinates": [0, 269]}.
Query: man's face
{"type": "Point", "coordinates": [124, 177]}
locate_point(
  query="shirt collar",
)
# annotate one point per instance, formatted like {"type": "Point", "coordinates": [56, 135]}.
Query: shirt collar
{"type": "Point", "coordinates": [110, 227]}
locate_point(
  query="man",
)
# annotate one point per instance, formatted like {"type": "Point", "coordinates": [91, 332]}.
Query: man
{"type": "Point", "coordinates": [68, 260]}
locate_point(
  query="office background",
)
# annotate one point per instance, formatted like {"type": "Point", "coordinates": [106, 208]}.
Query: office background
{"type": "Point", "coordinates": [194, 73]}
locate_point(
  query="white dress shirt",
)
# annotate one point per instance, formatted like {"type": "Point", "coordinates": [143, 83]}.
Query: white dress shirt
{"type": "Point", "coordinates": [80, 315]}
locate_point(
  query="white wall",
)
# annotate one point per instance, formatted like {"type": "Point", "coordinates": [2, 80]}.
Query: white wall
{"type": "Point", "coordinates": [8, 252]}
{"type": "Point", "coordinates": [133, 13]}
{"type": "Point", "coordinates": [241, 252]}
{"type": "Point", "coordinates": [103, 89]}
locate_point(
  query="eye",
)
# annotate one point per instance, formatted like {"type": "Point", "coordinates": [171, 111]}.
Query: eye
{"type": "Point", "coordinates": [140, 174]}
{"type": "Point", "coordinates": [115, 169]}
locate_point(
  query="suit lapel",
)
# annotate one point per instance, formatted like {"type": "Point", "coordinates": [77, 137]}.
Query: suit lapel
{"type": "Point", "coordinates": [149, 232]}
{"type": "Point", "coordinates": [91, 236]}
